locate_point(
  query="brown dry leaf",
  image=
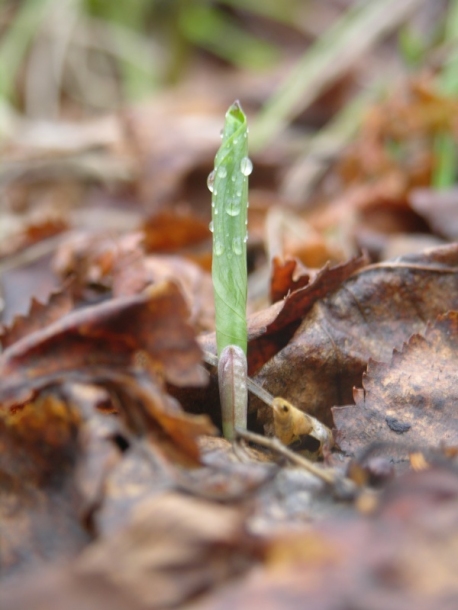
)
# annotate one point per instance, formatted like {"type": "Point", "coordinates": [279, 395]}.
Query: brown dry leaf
{"type": "Point", "coordinates": [270, 330]}
{"type": "Point", "coordinates": [168, 232]}
{"type": "Point", "coordinates": [32, 234]}
{"type": "Point", "coordinates": [403, 557]}
{"type": "Point", "coordinates": [205, 543]}
{"type": "Point", "coordinates": [410, 401]}
{"type": "Point", "coordinates": [375, 310]}
{"type": "Point", "coordinates": [93, 260]}
{"type": "Point", "coordinates": [149, 329]}
{"type": "Point", "coordinates": [174, 549]}
{"type": "Point", "coordinates": [39, 316]}
{"type": "Point", "coordinates": [147, 409]}
{"type": "Point", "coordinates": [131, 346]}
{"type": "Point", "coordinates": [287, 275]}
{"type": "Point", "coordinates": [40, 501]}
{"type": "Point", "coordinates": [196, 284]}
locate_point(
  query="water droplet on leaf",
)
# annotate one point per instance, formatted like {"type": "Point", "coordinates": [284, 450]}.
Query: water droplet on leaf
{"type": "Point", "coordinates": [233, 208]}
{"type": "Point", "coordinates": [210, 226]}
{"type": "Point", "coordinates": [222, 172]}
{"type": "Point", "coordinates": [211, 181]}
{"type": "Point", "coordinates": [218, 248]}
{"type": "Point", "coordinates": [246, 166]}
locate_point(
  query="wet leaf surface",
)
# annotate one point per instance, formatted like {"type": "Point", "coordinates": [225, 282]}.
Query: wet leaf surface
{"type": "Point", "coordinates": [408, 402]}
{"type": "Point", "coordinates": [374, 311]}
{"type": "Point", "coordinates": [112, 495]}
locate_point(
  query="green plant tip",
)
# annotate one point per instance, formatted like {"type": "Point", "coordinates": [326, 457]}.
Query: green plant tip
{"type": "Point", "coordinates": [228, 183]}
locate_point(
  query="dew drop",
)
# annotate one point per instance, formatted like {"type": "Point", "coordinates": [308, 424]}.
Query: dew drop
{"type": "Point", "coordinates": [210, 226]}
{"type": "Point", "coordinates": [218, 248]}
{"type": "Point", "coordinates": [213, 204]}
{"type": "Point", "coordinates": [246, 166]}
{"type": "Point", "coordinates": [233, 178]}
{"type": "Point", "coordinates": [238, 193]}
{"type": "Point", "coordinates": [237, 246]}
{"type": "Point", "coordinates": [233, 208]}
{"type": "Point", "coordinates": [215, 192]}
{"type": "Point", "coordinates": [211, 181]}
{"type": "Point", "coordinates": [221, 133]}
{"type": "Point", "coordinates": [236, 140]}
{"type": "Point", "coordinates": [216, 212]}
{"type": "Point", "coordinates": [245, 239]}
{"type": "Point", "coordinates": [222, 172]}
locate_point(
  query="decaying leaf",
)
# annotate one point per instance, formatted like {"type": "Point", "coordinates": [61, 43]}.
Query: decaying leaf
{"type": "Point", "coordinates": [175, 549]}
{"type": "Point", "coordinates": [148, 330]}
{"type": "Point", "coordinates": [287, 276]}
{"type": "Point", "coordinates": [376, 309]}
{"type": "Point", "coordinates": [409, 402]}
{"type": "Point", "coordinates": [39, 316]}
{"type": "Point", "coordinates": [270, 330]}
{"type": "Point", "coordinates": [402, 557]}
{"type": "Point", "coordinates": [195, 284]}
{"type": "Point", "coordinates": [40, 501]}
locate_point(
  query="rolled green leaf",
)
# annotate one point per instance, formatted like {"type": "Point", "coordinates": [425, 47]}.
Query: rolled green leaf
{"type": "Point", "coordinates": [228, 183]}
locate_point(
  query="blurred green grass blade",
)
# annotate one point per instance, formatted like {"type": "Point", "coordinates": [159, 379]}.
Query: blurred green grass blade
{"type": "Point", "coordinates": [329, 57]}
{"type": "Point", "coordinates": [213, 30]}
{"type": "Point", "coordinates": [16, 41]}
{"type": "Point", "coordinates": [445, 146]}
{"type": "Point", "coordinates": [229, 185]}
{"type": "Point", "coordinates": [283, 12]}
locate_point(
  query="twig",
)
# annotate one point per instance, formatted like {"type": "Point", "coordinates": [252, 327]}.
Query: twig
{"type": "Point", "coordinates": [343, 487]}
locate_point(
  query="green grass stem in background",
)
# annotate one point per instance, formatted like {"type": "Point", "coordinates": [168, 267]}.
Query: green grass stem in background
{"type": "Point", "coordinates": [445, 146]}
{"type": "Point", "coordinates": [228, 183]}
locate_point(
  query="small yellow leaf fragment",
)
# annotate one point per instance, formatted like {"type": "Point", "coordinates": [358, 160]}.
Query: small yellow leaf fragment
{"type": "Point", "coordinates": [291, 425]}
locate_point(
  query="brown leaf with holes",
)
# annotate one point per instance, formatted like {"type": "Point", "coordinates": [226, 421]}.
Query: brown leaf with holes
{"type": "Point", "coordinates": [373, 311]}
{"type": "Point", "coordinates": [410, 401]}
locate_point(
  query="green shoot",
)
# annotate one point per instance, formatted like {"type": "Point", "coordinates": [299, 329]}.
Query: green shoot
{"type": "Point", "coordinates": [228, 183]}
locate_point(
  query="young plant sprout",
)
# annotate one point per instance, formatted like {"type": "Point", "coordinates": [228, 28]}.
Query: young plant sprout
{"type": "Point", "coordinates": [228, 183]}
